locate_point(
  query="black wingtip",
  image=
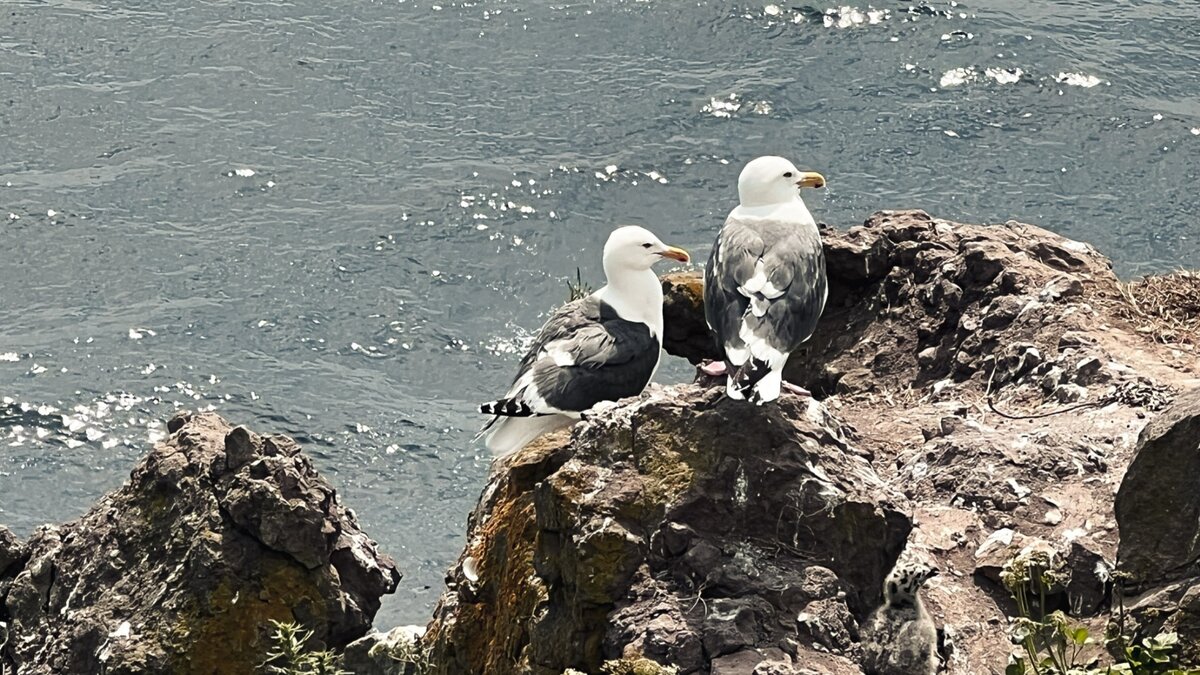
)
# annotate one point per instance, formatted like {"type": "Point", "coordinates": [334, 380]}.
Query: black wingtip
{"type": "Point", "coordinates": [506, 407]}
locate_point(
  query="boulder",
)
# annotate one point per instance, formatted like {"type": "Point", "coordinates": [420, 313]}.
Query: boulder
{"type": "Point", "coordinates": [1158, 514]}
{"type": "Point", "coordinates": [678, 527]}
{"type": "Point", "coordinates": [1158, 505]}
{"type": "Point", "coordinates": [217, 532]}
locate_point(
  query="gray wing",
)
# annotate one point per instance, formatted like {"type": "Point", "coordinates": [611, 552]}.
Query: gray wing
{"type": "Point", "coordinates": [585, 354]}
{"type": "Point", "coordinates": [765, 278]}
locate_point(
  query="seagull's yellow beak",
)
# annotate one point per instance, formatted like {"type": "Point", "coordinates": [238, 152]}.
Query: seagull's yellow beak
{"type": "Point", "coordinates": [811, 179]}
{"type": "Point", "coordinates": [675, 254]}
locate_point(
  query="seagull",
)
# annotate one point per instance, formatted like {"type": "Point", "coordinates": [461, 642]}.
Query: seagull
{"type": "Point", "coordinates": [764, 285]}
{"type": "Point", "coordinates": [900, 638]}
{"type": "Point", "coordinates": [603, 347]}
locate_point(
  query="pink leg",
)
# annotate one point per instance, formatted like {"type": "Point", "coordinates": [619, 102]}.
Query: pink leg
{"type": "Point", "coordinates": [799, 391]}
{"type": "Point", "coordinates": [713, 368]}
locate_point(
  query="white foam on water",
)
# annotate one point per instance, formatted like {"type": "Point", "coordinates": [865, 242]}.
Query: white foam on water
{"type": "Point", "coordinates": [1077, 80]}
{"type": "Point", "coordinates": [722, 107]}
{"type": "Point", "coordinates": [957, 76]}
{"type": "Point", "coordinates": [850, 17]}
{"type": "Point", "coordinates": [1004, 75]}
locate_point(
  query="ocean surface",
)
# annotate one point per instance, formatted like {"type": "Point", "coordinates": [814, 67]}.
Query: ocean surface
{"type": "Point", "coordinates": [341, 221]}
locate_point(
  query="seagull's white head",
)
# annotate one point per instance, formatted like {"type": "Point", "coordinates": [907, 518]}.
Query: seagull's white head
{"type": "Point", "coordinates": [636, 248]}
{"type": "Point", "coordinates": [774, 180]}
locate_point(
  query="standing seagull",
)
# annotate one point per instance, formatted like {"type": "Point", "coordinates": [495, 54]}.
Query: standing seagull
{"type": "Point", "coordinates": [900, 638]}
{"type": "Point", "coordinates": [764, 286]}
{"type": "Point", "coordinates": [599, 348]}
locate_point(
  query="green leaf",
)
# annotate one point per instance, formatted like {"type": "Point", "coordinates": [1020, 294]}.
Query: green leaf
{"type": "Point", "coordinates": [1166, 640]}
{"type": "Point", "coordinates": [1017, 668]}
{"type": "Point", "coordinates": [1080, 635]}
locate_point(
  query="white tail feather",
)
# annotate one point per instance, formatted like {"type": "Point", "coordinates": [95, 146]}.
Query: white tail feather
{"type": "Point", "coordinates": [512, 433]}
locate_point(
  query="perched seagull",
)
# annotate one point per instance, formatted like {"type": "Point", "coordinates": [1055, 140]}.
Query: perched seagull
{"type": "Point", "coordinates": [599, 348]}
{"type": "Point", "coordinates": [764, 286]}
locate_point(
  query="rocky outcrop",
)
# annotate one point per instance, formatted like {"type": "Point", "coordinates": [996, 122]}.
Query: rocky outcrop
{"type": "Point", "coordinates": [979, 394]}
{"type": "Point", "coordinates": [218, 531]}
{"type": "Point", "coordinates": [979, 391]}
{"type": "Point", "coordinates": [695, 532]}
{"type": "Point", "coordinates": [1158, 513]}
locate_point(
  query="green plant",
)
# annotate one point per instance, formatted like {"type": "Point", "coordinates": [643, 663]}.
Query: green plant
{"type": "Point", "coordinates": [1053, 645]}
{"type": "Point", "coordinates": [290, 655]}
{"type": "Point", "coordinates": [579, 288]}
{"type": "Point", "coordinates": [636, 666]}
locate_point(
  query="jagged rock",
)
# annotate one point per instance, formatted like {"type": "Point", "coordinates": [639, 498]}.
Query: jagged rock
{"type": "Point", "coordinates": [1158, 515]}
{"type": "Point", "coordinates": [677, 527]}
{"type": "Point", "coordinates": [11, 550]}
{"type": "Point", "coordinates": [1089, 577]}
{"type": "Point", "coordinates": [915, 299]}
{"type": "Point", "coordinates": [683, 301]}
{"type": "Point", "coordinates": [218, 531]}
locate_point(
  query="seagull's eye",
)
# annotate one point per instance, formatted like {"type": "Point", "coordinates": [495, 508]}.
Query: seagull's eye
{"type": "Point", "coordinates": [647, 245]}
{"type": "Point", "coordinates": [787, 175]}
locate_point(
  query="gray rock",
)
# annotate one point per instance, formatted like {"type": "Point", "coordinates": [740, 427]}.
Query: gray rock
{"type": "Point", "coordinates": [828, 623]}
{"type": "Point", "coordinates": [11, 550]}
{"type": "Point", "coordinates": [770, 661]}
{"type": "Point", "coordinates": [1158, 518]}
{"type": "Point", "coordinates": [397, 652]}
{"type": "Point", "coordinates": [1070, 393]}
{"type": "Point", "coordinates": [731, 624]}
{"type": "Point", "coordinates": [1088, 578]}
{"type": "Point", "coordinates": [1158, 503]}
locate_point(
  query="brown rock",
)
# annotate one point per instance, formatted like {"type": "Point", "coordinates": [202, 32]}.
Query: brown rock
{"type": "Point", "coordinates": [674, 531]}
{"type": "Point", "coordinates": [182, 568]}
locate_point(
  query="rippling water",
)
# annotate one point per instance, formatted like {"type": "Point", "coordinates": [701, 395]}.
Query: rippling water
{"type": "Point", "coordinates": [339, 220]}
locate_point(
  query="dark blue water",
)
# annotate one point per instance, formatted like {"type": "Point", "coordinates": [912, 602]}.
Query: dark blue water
{"type": "Point", "coordinates": [340, 220]}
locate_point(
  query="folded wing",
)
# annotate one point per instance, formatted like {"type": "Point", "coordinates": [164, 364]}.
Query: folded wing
{"type": "Point", "coordinates": [765, 289]}
{"type": "Point", "coordinates": [584, 354]}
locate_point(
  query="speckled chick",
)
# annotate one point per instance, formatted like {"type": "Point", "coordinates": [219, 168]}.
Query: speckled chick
{"type": "Point", "coordinates": [900, 638]}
